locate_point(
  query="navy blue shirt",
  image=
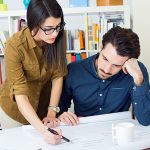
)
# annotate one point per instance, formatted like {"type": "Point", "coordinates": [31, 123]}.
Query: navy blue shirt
{"type": "Point", "coordinates": [94, 96]}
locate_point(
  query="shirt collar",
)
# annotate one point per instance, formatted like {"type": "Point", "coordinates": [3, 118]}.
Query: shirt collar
{"type": "Point", "coordinates": [31, 42]}
{"type": "Point", "coordinates": [94, 57]}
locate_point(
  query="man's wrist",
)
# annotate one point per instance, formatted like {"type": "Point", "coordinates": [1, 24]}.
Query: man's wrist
{"type": "Point", "coordinates": [139, 80]}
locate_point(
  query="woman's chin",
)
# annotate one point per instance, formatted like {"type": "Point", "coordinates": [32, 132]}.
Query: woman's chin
{"type": "Point", "coordinates": [50, 41]}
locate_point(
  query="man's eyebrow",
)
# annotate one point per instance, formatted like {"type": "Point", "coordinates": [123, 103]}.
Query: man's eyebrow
{"type": "Point", "coordinates": [109, 62]}
{"type": "Point", "coordinates": [104, 56]}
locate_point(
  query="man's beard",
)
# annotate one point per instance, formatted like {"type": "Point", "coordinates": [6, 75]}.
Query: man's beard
{"type": "Point", "coordinates": [103, 75]}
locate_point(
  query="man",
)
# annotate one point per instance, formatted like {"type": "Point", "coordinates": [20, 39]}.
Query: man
{"type": "Point", "coordinates": [108, 82]}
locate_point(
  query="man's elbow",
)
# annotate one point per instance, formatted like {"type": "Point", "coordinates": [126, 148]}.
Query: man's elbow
{"type": "Point", "coordinates": [144, 122]}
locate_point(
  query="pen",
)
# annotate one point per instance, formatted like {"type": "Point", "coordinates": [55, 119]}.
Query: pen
{"type": "Point", "coordinates": [56, 133]}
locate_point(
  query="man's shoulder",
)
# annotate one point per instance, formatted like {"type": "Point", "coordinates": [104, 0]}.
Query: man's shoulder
{"type": "Point", "coordinates": [74, 64]}
{"type": "Point", "coordinates": [142, 66]}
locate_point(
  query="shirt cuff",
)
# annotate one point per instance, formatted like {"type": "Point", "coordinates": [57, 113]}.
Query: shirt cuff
{"type": "Point", "coordinates": [58, 75]}
{"type": "Point", "coordinates": [20, 89]}
{"type": "Point", "coordinates": [140, 90]}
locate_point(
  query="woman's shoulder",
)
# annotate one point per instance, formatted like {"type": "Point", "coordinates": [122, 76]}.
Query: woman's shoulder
{"type": "Point", "coordinates": [17, 38]}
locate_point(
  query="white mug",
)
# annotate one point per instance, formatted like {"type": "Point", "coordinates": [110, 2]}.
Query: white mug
{"type": "Point", "coordinates": [123, 133]}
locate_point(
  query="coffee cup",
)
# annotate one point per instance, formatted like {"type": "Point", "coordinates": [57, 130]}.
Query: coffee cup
{"type": "Point", "coordinates": [123, 133]}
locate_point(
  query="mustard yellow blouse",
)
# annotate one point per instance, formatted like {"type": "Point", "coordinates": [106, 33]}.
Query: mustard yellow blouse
{"type": "Point", "coordinates": [26, 73]}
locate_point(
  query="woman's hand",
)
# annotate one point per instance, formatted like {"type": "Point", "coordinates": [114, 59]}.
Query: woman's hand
{"type": "Point", "coordinates": [28, 112]}
{"type": "Point", "coordinates": [51, 122]}
{"type": "Point", "coordinates": [51, 138]}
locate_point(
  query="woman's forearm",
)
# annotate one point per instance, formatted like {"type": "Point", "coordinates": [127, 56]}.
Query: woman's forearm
{"type": "Point", "coordinates": [28, 112]}
{"type": "Point", "coordinates": [56, 90]}
{"type": "Point", "coordinates": [55, 95]}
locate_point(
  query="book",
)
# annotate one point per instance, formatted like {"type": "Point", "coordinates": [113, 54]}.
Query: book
{"type": "Point", "coordinates": [78, 3]}
{"type": "Point", "coordinates": [83, 55]}
{"type": "Point", "coordinates": [109, 2]}
{"type": "Point", "coordinates": [2, 68]}
{"type": "Point", "coordinates": [81, 39]}
{"type": "Point", "coordinates": [0, 74]}
{"type": "Point", "coordinates": [68, 56]}
{"type": "Point", "coordinates": [1, 48]}
{"type": "Point", "coordinates": [96, 36]}
{"type": "Point", "coordinates": [73, 57]}
{"type": "Point", "coordinates": [21, 23]}
{"type": "Point", "coordinates": [3, 37]}
{"type": "Point", "coordinates": [78, 57]}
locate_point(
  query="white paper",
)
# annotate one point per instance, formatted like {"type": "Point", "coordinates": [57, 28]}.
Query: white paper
{"type": "Point", "coordinates": [86, 136]}
{"type": "Point", "coordinates": [105, 117]}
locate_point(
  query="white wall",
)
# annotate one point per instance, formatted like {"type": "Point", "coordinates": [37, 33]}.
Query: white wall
{"type": "Point", "coordinates": [140, 10]}
{"type": "Point", "coordinates": [14, 4]}
{"type": "Point", "coordinates": [18, 4]}
{"type": "Point", "coordinates": [141, 25]}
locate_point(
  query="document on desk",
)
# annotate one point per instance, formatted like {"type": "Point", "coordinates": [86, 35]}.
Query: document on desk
{"type": "Point", "coordinates": [92, 133]}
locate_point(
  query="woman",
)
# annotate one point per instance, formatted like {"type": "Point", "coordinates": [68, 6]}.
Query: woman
{"type": "Point", "coordinates": [34, 56]}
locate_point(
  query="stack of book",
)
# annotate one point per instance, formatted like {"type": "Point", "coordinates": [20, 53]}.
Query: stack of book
{"type": "Point", "coordinates": [18, 23]}
{"type": "Point", "coordinates": [96, 30]}
{"type": "Point", "coordinates": [3, 37]}
{"type": "Point", "coordinates": [75, 39]}
{"type": "Point", "coordinates": [72, 57]}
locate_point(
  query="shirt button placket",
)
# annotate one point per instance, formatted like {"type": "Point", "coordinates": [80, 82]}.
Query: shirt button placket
{"type": "Point", "coordinates": [101, 94]}
{"type": "Point", "coordinates": [103, 81]}
{"type": "Point", "coordinates": [100, 108]}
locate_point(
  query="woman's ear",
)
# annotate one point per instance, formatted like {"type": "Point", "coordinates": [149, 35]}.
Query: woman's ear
{"type": "Point", "coordinates": [34, 31]}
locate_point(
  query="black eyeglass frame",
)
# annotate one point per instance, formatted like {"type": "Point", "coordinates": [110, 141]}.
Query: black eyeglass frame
{"type": "Point", "coordinates": [52, 29]}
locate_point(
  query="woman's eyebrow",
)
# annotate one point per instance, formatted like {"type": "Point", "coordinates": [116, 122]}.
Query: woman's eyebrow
{"type": "Point", "coordinates": [53, 26]}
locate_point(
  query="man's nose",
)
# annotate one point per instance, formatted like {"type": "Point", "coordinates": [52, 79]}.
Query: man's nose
{"type": "Point", "coordinates": [108, 68]}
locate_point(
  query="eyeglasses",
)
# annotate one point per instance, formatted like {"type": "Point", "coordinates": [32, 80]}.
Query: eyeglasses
{"type": "Point", "coordinates": [52, 29]}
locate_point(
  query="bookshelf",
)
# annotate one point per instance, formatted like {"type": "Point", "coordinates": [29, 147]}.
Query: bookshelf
{"type": "Point", "coordinates": [79, 18]}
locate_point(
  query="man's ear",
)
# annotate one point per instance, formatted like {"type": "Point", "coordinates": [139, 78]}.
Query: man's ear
{"type": "Point", "coordinates": [100, 48]}
{"type": "Point", "coordinates": [124, 70]}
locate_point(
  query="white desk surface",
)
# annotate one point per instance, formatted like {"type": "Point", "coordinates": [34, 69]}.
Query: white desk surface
{"type": "Point", "coordinates": [94, 133]}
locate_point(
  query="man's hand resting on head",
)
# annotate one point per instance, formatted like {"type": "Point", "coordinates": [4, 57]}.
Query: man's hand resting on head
{"type": "Point", "coordinates": [132, 67]}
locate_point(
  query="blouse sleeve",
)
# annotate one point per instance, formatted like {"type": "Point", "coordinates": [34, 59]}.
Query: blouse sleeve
{"type": "Point", "coordinates": [14, 71]}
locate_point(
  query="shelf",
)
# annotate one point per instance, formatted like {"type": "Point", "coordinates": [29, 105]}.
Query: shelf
{"type": "Point", "coordinates": [96, 9]}
{"type": "Point", "coordinates": [77, 18]}
{"type": "Point", "coordinates": [81, 51]}
{"type": "Point", "coordinates": [84, 12]}
{"type": "Point", "coordinates": [13, 13]}
{"type": "Point", "coordinates": [75, 10]}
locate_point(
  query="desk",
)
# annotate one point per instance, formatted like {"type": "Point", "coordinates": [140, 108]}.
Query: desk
{"type": "Point", "coordinates": [94, 133]}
